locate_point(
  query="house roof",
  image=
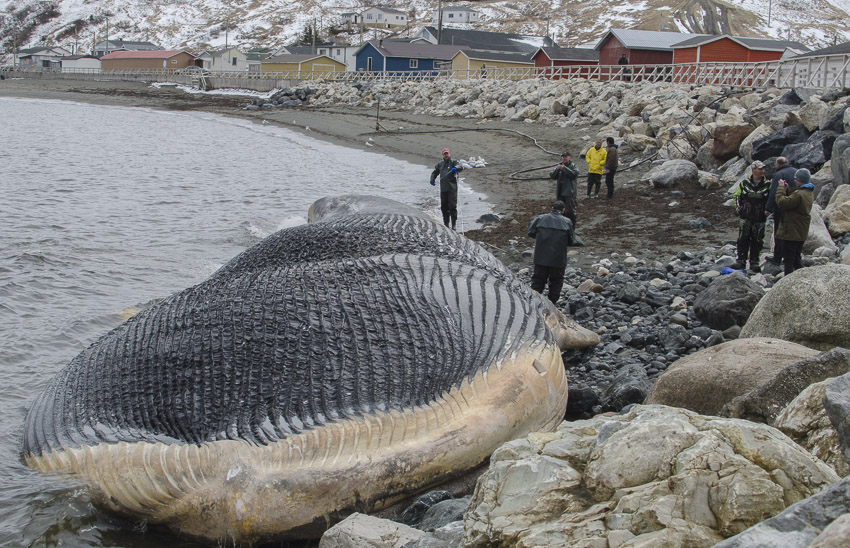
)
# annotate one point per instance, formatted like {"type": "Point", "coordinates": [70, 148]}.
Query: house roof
{"type": "Point", "coordinates": [296, 58]}
{"type": "Point", "coordinates": [493, 41]}
{"type": "Point", "coordinates": [838, 49]}
{"type": "Point", "coordinates": [78, 57]}
{"type": "Point", "coordinates": [415, 50]}
{"type": "Point", "coordinates": [151, 54]}
{"type": "Point", "coordinates": [130, 45]}
{"type": "Point", "coordinates": [458, 8]}
{"type": "Point", "coordinates": [645, 39]}
{"type": "Point", "coordinates": [506, 56]}
{"type": "Point", "coordinates": [570, 54]}
{"type": "Point", "coordinates": [763, 44]}
{"type": "Point", "coordinates": [31, 51]}
{"type": "Point", "coordinates": [218, 52]}
{"type": "Point", "coordinates": [385, 10]}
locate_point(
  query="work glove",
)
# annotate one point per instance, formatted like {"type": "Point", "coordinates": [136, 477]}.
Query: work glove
{"type": "Point", "coordinates": [454, 170]}
{"type": "Point", "coordinates": [433, 183]}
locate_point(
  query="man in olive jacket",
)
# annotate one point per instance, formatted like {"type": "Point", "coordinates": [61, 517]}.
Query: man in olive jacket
{"type": "Point", "coordinates": [447, 171]}
{"type": "Point", "coordinates": [795, 201]}
{"type": "Point", "coordinates": [566, 190]}
{"type": "Point", "coordinates": [553, 234]}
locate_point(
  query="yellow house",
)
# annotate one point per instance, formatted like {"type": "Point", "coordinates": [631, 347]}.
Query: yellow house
{"type": "Point", "coordinates": [473, 63]}
{"type": "Point", "coordinates": [301, 62]}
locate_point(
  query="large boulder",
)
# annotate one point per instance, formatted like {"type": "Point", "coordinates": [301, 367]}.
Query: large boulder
{"type": "Point", "coordinates": [746, 149]}
{"type": "Point", "coordinates": [814, 114]}
{"type": "Point", "coordinates": [728, 139]}
{"type": "Point", "coordinates": [727, 301]}
{"type": "Point", "coordinates": [775, 143]}
{"type": "Point", "coordinates": [654, 476]}
{"type": "Point", "coordinates": [805, 421]}
{"type": "Point", "coordinates": [841, 160]}
{"type": "Point", "coordinates": [766, 402]}
{"type": "Point", "coordinates": [672, 173]}
{"type": "Point", "coordinates": [836, 401]}
{"type": "Point", "coordinates": [810, 154]}
{"type": "Point", "coordinates": [809, 307]}
{"type": "Point", "coordinates": [807, 523]}
{"type": "Point", "coordinates": [836, 121]}
{"type": "Point", "coordinates": [818, 233]}
{"type": "Point", "coordinates": [707, 380]}
{"type": "Point", "coordinates": [362, 531]}
{"type": "Point", "coordinates": [837, 213]}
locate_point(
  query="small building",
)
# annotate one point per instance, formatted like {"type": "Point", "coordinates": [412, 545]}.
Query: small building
{"type": "Point", "coordinates": [108, 46]}
{"type": "Point", "coordinates": [301, 62]}
{"type": "Point", "coordinates": [253, 58]}
{"type": "Point", "coordinates": [484, 40]}
{"type": "Point", "coordinates": [147, 60]}
{"type": "Point", "coordinates": [384, 18]}
{"type": "Point", "coordinates": [456, 15]}
{"type": "Point", "coordinates": [40, 58]}
{"type": "Point", "coordinates": [225, 59]}
{"type": "Point", "coordinates": [402, 56]}
{"type": "Point", "coordinates": [551, 57]}
{"type": "Point", "coordinates": [469, 63]}
{"type": "Point", "coordinates": [641, 47]}
{"type": "Point", "coordinates": [732, 49]}
{"type": "Point", "coordinates": [350, 19]}
{"type": "Point", "coordinates": [80, 63]}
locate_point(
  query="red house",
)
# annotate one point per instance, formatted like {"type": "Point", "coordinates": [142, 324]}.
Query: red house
{"type": "Point", "coordinates": [547, 57]}
{"type": "Point", "coordinates": [733, 49]}
{"type": "Point", "coordinates": [641, 47]}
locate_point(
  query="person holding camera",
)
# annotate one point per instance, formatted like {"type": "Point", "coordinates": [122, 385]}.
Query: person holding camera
{"type": "Point", "coordinates": [566, 190]}
{"type": "Point", "coordinates": [447, 169]}
{"type": "Point", "coordinates": [795, 201]}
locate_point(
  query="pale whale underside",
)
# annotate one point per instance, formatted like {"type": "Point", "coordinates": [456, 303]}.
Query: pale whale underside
{"type": "Point", "coordinates": [332, 367]}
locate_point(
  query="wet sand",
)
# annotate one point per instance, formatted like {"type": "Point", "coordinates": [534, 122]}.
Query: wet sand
{"type": "Point", "coordinates": [639, 220]}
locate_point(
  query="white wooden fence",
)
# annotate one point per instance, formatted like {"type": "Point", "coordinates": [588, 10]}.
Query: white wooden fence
{"type": "Point", "coordinates": [827, 72]}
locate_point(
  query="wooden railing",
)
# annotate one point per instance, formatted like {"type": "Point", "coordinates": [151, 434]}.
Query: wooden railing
{"type": "Point", "coordinates": [827, 72]}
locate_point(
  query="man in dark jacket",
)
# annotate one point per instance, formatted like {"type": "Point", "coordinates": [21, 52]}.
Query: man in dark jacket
{"type": "Point", "coordinates": [447, 170]}
{"type": "Point", "coordinates": [783, 171]}
{"type": "Point", "coordinates": [553, 234]}
{"type": "Point", "coordinates": [611, 164]}
{"type": "Point", "coordinates": [750, 202]}
{"type": "Point", "coordinates": [567, 188]}
{"type": "Point", "coordinates": [795, 201]}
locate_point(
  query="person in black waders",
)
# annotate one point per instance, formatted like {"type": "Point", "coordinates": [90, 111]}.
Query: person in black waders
{"type": "Point", "coordinates": [447, 169]}
{"type": "Point", "coordinates": [553, 233]}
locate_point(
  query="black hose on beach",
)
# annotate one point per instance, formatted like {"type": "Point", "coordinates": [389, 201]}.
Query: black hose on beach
{"type": "Point", "coordinates": [515, 175]}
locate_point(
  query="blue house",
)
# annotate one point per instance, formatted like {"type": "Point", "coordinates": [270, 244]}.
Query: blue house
{"type": "Point", "coordinates": [403, 56]}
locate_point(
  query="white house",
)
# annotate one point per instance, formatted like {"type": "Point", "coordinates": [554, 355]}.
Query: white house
{"type": "Point", "coordinates": [338, 52]}
{"type": "Point", "coordinates": [456, 15]}
{"type": "Point", "coordinates": [225, 59]}
{"type": "Point", "coordinates": [80, 63]}
{"type": "Point", "coordinates": [44, 57]}
{"type": "Point", "coordinates": [384, 18]}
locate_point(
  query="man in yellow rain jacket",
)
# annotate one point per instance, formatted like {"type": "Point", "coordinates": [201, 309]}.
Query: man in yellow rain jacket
{"type": "Point", "coordinates": [595, 158]}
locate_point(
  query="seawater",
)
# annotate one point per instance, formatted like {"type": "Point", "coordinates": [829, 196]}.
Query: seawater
{"type": "Point", "coordinates": [106, 209]}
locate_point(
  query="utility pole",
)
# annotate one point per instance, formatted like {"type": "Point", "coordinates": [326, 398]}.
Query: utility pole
{"type": "Point", "coordinates": [769, 6]}
{"type": "Point", "coordinates": [439, 21]}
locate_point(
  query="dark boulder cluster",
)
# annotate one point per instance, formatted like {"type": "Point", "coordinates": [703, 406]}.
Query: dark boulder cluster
{"type": "Point", "coordinates": [649, 314]}
{"type": "Point", "coordinates": [285, 98]}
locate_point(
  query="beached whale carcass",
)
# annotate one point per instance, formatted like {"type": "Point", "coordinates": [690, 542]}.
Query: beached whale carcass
{"type": "Point", "coordinates": [334, 367]}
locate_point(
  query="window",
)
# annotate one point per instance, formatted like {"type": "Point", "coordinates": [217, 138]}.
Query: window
{"type": "Point", "coordinates": [414, 63]}
{"type": "Point", "coordinates": [233, 61]}
{"type": "Point", "coordinates": [451, 16]}
{"type": "Point", "coordinates": [368, 16]}
{"type": "Point", "coordinates": [337, 51]}
{"type": "Point", "coordinates": [321, 51]}
{"type": "Point", "coordinates": [174, 61]}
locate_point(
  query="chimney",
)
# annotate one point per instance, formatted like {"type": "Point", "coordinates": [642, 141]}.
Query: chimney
{"type": "Point", "coordinates": [381, 43]}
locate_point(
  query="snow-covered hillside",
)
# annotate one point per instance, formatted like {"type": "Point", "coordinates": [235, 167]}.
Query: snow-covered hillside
{"type": "Point", "coordinates": [199, 24]}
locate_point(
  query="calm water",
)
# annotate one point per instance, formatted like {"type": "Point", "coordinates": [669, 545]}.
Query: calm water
{"type": "Point", "coordinates": [103, 209]}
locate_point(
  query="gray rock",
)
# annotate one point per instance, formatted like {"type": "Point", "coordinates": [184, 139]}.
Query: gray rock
{"type": "Point", "coordinates": [807, 155]}
{"type": "Point", "coordinates": [765, 402]}
{"type": "Point", "coordinates": [809, 307]}
{"type": "Point", "coordinates": [448, 536]}
{"type": "Point", "coordinates": [841, 160]}
{"type": "Point", "coordinates": [630, 385]}
{"type": "Point", "coordinates": [673, 172]}
{"type": "Point", "coordinates": [443, 513]}
{"type": "Point", "coordinates": [413, 514]}
{"type": "Point", "coordinates": [835, 122]}
{"type": "Point", "coordinates": [362, 531]}
{"type": "Point", "coordinates": [836, 401]}
{"type": "Point", "coordinates": [797, 96]}
{"type": "Point", "coordinates": [775, 143]}
{"type": "Point", "coordinates": [799, 524]}
{"type": "Point", "coordinates": [728, 139]}
{"type": "Point", "coordinates": [629, 293]}
{"type": "Point", "coordinates": [728, 300]}
{"type": "Point", "coordinates": [700, 223]}
{"type": "Point", "coordinates": [707, 380]}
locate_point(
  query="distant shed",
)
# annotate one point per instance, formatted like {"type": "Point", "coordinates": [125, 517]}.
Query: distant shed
{"type": "Point", "coordinates": [732, 49]}
{"type": "Point", "coordinates": [147, 60]}
{"type": "Point", "coordinates": [641, 47]}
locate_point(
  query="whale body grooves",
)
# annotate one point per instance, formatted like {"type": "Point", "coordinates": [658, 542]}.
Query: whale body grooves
{"type": "Point", "coordinates": [338, 366]}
